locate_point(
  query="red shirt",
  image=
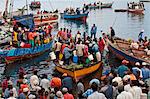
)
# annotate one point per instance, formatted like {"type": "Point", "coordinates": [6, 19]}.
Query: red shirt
{"type": "Point", "coordinates": [55, 82]}
{"type": "Point", "coordinates": [101, 45]}
{"type": "Point", "coordinates": [68, 96]}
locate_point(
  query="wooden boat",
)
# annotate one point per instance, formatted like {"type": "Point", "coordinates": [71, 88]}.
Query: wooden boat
{"type": "Point", "coordinates": [79, 73]}
{"type": "Point", "coordinates": [121, 48]}
{"type": "Point", "coordinates": [100, 5]}
{"type": "Point", "coordinates": [120, 10]}
{"type": "Point", "coordinates": [136, 8]}
{"type": "Point", "coordinates": [93, 6]}
{"type": "Point", "coordinates": [16, 54]}
{"type": "Point", "coordinates": [46, 18]}
{"type": "Point", "coordinates": [81, 17]}
{"type": "Point", "coordinates": [144, 0]}
{"type": "Point", "coordinates": [35, 4]}
{"type": "Point", "coordinates": [106, 5]}
{"type": "Point", "coordinates": [136, 11]}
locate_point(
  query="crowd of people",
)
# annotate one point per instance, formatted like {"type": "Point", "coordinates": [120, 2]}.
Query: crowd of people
{"type": "Point", "coordinates": [125, 82]}
{"type": "Point", "coordinates": [78, 48]}
{"type": "Point", "coordinates": [26, 38]}
{"type": "Point", "coordinates": [133, 5]}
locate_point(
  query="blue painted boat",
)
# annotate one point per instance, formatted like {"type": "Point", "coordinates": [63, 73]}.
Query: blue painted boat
{"type": "Point", "coordinates": [81, 17]}
{"type": "Point", "coordinates": [17, 54]}
{"type": "Point", "coordinates": [122, 51]}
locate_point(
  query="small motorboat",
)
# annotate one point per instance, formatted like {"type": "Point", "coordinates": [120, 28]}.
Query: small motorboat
{"type": "Point", "coordinates": [136, 8]}
{"type": "Point", "coordinates": [81, 17]}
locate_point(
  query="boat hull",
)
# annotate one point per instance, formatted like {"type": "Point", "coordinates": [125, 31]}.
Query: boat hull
{"type": "Point", "coordinates": [26, 53]}
{"type": "Point", "coordinates": [122, 55]}
{"type": "Point", "coordinates": [136, 11]}
{"type": "Point", "coordinates": [81, 17]}
{"type": "Point", "coordinates": [78, 74]}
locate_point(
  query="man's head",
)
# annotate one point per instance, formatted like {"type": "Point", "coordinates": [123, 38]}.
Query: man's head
{"type": "Point", "coordinates": [94, 87]}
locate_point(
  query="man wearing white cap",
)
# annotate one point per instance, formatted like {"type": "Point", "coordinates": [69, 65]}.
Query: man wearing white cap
{"type": "Point", "coordinates": [145, 71]}
{"type": "Point", "coordinates": [140, 36]}
{"type": "Point", "coordinates": [136, 70]}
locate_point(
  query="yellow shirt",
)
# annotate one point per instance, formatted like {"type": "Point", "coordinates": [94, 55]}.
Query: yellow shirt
{"type": "Point", "coordinates": [15, 36]}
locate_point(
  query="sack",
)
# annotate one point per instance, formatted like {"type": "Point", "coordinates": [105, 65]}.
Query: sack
{"type": "Point", "coordinates": [52, 56]}
{"type": "Point", "coordinates": [90, 57]}
{"type": "Point", "coordinates": [60, 56]}
{"type": "Point", "coordinates": [98, 56]}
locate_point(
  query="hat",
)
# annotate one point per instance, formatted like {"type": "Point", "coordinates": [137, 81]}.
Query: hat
{"type": "Point", "coordinates": [59, 94]}
{"type": "Point", "coordinates": [10, 83]}
{"type": "Point", "coordinates": [144, 63]}
{"type": "Point", "coordinates": [142, 30]}
{"type": "Point", "coordinates": [65, 89]}
{"type": "Point", "coordinates": [65, 74]}
{"type": "Point", "coordinates": [25, 81]}
{"type": "Point", "coordinates": [137, 64]}
{"type": "Point", "coordinates": [25, 89]}
{"type": "Point", "coordinates": [32, 96]}
{"type": "Point", "coordinates": [126, 77]}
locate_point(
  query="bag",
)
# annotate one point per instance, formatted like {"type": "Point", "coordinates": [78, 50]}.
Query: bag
{"type": "Point", "coordinates": [52, 55]}
{"type": "Point", "coordinates": [98, 56]}
{"type": "Point", "coordinates": [90, 57]}
{"type": "Point", "coordinates": [60, 56]}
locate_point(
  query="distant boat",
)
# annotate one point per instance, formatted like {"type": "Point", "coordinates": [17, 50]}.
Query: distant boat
{"type": "Point", "coordinates": [35, 4]}
{"type": "Point", "coordinates": [121, 48]}
{"type": "Point", "coordinates": [81, 17]}
{"type": "Point", "coordinates": [80, 73]}
{"type": "Point", "coordinates": [144, 0]}
{"type": "Point", "coordinates": [106, 5]}
{"type": "Point", "coordinates": [136, 8]}
{"type": "Point", "coordinates": [100, 5]}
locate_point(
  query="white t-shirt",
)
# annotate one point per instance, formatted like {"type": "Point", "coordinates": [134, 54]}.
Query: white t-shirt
{"type": "Point", "coordinates": [125, 95]}
{"type": "Point", "coordinates": [97, 95]}
{"type": "Point", "coordinates": [136, 92]}
{"type": "Point", "coordinates": [45, 84]}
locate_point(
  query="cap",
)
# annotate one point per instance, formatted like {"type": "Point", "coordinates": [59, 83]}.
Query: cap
{"type": "Point", "coordinates": [65, 89]}
{"type": "Point", "coordinates": [25, 81]}
{"type": "Point", "coordinates": [10, 83]}
{"type": "Point", "coordinates": [137, 64]}
{"type": "Point", "coordinates": [142, 30]}
{"type": "Point", "coordinates": [65, 74]}
{"type": "Point", "coordinates": [59, 94]}
{"type": "Point", "coordinates": [25, 89]}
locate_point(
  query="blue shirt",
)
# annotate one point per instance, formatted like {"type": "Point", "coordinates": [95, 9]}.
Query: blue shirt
{"type": "Point", "coordinates": [145, 73]}
{"type": "Point", "coordinates": [22, 96]}
{"type": "Point", "coordinates": [122, 69]}
{"type": "Point", "coordinates": [67, 53]}
{"type": "Point", "coordinates": [93, 30]}
{"type": "Point", "coordinates": [87, 93]}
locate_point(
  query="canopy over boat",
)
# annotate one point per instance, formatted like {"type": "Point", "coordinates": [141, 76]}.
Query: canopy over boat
{"type": "Point", "coordinates": [26, 20]}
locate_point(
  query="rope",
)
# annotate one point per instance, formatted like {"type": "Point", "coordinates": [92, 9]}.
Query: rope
{"type": "Point", "coordinates": [51, 5]}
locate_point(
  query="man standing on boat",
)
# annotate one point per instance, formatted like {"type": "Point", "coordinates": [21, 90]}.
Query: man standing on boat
{"type": "Point", "coordinates": [93, 31]}
{"type": "Point", "coordinates": [140, 36]}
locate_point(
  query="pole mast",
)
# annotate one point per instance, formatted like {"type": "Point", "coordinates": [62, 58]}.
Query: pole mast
{"type": "Point", "coordinates": [6, 7]}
